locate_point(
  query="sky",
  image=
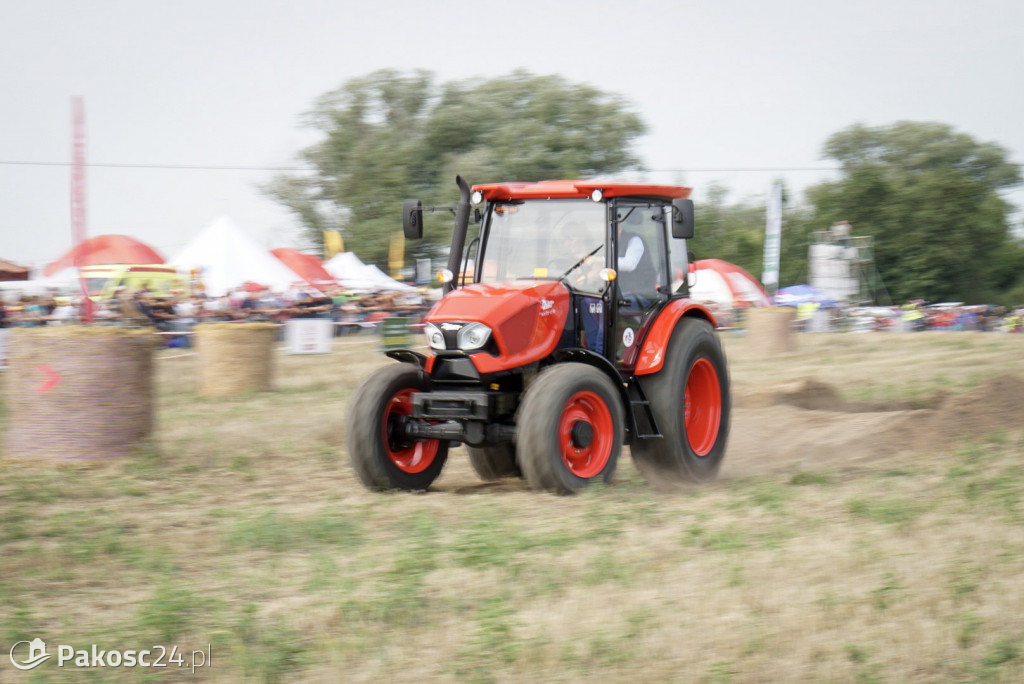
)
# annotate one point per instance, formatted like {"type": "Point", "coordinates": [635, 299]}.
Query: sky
{"type": "Point", "coordinates": [191, 105]}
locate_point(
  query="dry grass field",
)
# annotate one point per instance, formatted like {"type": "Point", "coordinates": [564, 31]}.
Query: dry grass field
{"type": "Point", "coordinates": [868, 526]}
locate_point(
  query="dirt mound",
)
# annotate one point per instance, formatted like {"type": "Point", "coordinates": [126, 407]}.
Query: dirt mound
{"type": "Point", "coordinates": [813, 395]}
{"type": "Point", "coordinates": [997, 404]}
{"type": "Point", "coordinates": [806, 424]}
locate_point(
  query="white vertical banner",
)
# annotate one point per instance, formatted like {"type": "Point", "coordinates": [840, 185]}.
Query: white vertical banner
{"type": "Point", "coordinates": [772, 238]}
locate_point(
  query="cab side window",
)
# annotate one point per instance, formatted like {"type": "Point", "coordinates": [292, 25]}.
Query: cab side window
{"type": "Point", "coordinates": [642, 263]}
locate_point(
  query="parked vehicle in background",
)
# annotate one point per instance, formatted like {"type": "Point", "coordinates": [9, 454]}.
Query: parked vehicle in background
{"type": "Point", "coordinates": [104, 280]}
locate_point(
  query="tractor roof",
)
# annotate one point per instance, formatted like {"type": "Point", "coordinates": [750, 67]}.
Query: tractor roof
{"type": "Point", "coordinates": [563, 189]}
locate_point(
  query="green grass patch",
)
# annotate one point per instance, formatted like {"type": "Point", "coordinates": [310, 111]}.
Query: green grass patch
{"type": "Point", "coordinates": [169, 612]}
{"type": "Point", "coordinates": [279, 532]}
{"type": "Point", "coordinates": [890, 511]}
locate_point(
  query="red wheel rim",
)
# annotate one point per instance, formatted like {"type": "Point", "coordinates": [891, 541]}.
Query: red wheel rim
{"type": "Point", "coordinates": [703, 407]}
{"type": "Point", "coordinates": [410, 457]}
{"type": "Point", "coordinates": [586, 461]}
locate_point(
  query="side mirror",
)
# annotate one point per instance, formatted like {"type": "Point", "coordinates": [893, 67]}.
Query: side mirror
{"type": "Point", "coordinates": [412, 219]}
{"type": "Point", "coordinates": [682, 218]}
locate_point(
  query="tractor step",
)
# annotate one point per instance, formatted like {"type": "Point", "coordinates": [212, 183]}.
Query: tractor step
{"type": "Point", "coordinates": [644, 425]}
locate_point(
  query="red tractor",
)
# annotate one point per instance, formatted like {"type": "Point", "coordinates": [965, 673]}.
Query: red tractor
{"type": "Point", "coordinates": [564, 332]}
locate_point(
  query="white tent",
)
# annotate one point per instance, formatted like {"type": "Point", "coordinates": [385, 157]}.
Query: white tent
{"type": "Point", "coordinates": [386, 282]}
{"type": "Point", "coordinates": [229, 258]}
{"type": "Point", "coordinates": [353, 274]}
{"type": "Point", "coordinates": [64, 281]}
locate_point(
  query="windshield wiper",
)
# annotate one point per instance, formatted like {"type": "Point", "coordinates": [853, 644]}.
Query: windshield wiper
{"type": "Point", "coordinates": [580, 262]}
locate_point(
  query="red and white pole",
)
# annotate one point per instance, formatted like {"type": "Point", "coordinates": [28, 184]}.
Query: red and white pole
{"type": "Point", "coordinates": [78, 213]}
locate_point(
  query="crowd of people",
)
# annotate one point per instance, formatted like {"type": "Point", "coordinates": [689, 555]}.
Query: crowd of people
{"type": "Point", "coordinates": [178, 312]}
{"type": "Point", "coordinates": [917, 316]}
{"type": "Point", "coordinates": [913, 316]}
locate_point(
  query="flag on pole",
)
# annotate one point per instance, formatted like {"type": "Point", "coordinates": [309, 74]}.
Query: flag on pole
{"type": "Point", "coordinates": [333, 243]}
{"type": "Point", "coordinates": [396, 255]}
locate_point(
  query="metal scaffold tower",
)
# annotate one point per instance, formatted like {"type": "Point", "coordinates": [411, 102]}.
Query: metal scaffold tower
{"type": "Point", "coordinates": [844, 267]}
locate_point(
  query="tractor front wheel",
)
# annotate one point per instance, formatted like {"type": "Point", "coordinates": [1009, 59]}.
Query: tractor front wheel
{"type": "Point", "coordinates": [690, 400]}
{"type": "Point", "coordinates": [569, 428]}
{"type": "Point", "coordinates": [381, 454]}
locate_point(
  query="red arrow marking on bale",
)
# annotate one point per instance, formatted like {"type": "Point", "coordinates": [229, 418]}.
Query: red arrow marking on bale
{"type": "Point", "coordinates": [52, 378]}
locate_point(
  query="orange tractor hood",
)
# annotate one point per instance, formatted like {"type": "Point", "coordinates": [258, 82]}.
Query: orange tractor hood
{"type": "Point", "coordinates": [526, 319]}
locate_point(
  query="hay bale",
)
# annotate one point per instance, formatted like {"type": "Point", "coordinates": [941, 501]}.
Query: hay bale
{"type": "Point", "coordinates": [79, 393]}
{"type": "Point", "coordinates": [235, 358]}
{"type": "Point", "coordinates": [770, 330]}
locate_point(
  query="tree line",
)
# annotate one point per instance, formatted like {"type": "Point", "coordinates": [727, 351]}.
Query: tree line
{"type": "Point", "coordinates": [930, 196]}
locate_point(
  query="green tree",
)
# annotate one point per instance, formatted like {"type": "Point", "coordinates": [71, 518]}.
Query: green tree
{"type": "Point", "coordinates": [731, 232]}
{"type": "Point", "coordinates": [930, 196]}
{"type": "Point", "coordinates": [389, 136]}
{"type": "Point", "coordinates": [735, 232]}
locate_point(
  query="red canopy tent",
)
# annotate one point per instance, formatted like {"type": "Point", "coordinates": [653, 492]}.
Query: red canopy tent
{"type": "Point", "coordinates": [310, 268]}
{"type": "Point", "coordinates": [12, 271]}
{"type": "Point", "coordinates": [727, 284]}
{"type": "Point", "coordinates": [105, 249]}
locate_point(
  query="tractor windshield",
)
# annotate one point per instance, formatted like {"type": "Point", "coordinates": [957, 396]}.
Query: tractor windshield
{"type": "Point", "coordinates": [546, 239]}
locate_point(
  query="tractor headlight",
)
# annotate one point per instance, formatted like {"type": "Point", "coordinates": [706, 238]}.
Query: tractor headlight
{"type": "Point", "coordinates": [472, 336]}
{"type": "Point", "coordinates": [435, 338]}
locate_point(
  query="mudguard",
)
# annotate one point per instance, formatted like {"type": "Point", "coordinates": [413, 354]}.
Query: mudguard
{"type": "Point", "coordinates": [652, 355]}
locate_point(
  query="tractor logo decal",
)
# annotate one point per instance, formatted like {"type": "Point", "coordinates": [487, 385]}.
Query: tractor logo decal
{"type": "Point", "coordinates": [627, 337]}
{"type": "Point", "coordinates": [547, 307]}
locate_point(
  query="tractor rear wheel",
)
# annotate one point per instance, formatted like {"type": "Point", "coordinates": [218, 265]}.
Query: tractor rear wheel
{"type": "Point", "coordinates": [569, 428]}
{"type": "Point", "coordinates": [494, 461]}
{"type": "Point", "coordinates": [382, 456]}
{"type": "Point", "coordinates": [690, 400]}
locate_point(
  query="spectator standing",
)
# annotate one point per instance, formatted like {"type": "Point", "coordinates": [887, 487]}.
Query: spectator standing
{"type": "Point", "coordinates": [64, 313]}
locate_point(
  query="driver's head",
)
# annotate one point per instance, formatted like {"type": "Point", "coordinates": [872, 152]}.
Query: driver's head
{"type": "Point", "coordinates": [576, 237]}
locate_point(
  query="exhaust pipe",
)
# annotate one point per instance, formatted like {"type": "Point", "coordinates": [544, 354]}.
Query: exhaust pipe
{"type": "Point", "coordinates": [459, 235]}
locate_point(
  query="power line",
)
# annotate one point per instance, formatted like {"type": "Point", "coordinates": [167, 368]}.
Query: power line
{"type": "Point", "coordinates": [212, 167]}
{"type": "Point", "coordinates": [181, 167]}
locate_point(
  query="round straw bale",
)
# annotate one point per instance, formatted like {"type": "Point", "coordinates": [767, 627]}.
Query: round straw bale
{"type": "Point", "coordinates": [770, 330]}
{"type": "Point", "coordinates": [235, 358]}
{"type": "Point", "coordinates": [79, 393]}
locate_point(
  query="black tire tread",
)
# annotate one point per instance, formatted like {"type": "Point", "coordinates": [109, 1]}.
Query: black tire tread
{"type": "Point", "coordinates": [671, 455]}
{"type": "Point", "coordinates": [494, 461]}
{"type": "Point", "coordinates": [538, 417]}
{"type": "Point", "coordinates": [365, 446]}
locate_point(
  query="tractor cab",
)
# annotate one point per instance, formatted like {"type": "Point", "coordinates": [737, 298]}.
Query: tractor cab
{"type": "Point", "coordinates": [619, 249]}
